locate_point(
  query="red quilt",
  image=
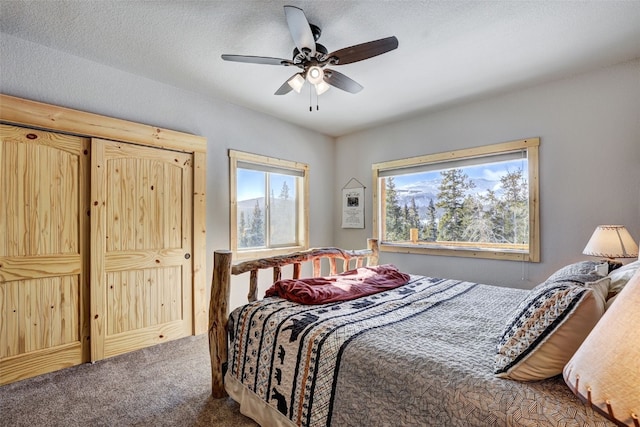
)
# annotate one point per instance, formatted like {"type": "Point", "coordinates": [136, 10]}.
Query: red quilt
{"type": "Point", "coordinates": [345, 286]}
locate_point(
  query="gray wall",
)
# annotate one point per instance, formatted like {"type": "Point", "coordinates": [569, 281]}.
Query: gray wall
{"type": "Point", "coordinates": [589, 129]}
{"type": "Point", "coordinates": [35, 72]}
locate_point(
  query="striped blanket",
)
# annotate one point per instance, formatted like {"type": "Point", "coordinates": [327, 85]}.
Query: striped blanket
{"type": "Point", "coordinates": [292, 358]}
{"type": "Point", "coordinates": [420, 354]}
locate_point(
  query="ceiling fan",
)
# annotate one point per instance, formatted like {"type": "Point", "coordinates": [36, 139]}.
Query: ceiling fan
{"type": "Point", "coordinates": [312, 57]}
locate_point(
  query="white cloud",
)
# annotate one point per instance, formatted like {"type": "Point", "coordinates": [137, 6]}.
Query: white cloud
{"type": "Point", "coordinates": [493, 175]}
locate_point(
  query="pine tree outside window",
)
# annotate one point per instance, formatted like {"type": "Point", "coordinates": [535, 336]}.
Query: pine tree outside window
{"type": "Point", "coordinates": [480, 202]}
{"type": "Point", "coordinates": [269, 205]}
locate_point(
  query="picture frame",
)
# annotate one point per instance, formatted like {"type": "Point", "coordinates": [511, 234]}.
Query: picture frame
{"type": "Point", "coordinates": [353, 205]}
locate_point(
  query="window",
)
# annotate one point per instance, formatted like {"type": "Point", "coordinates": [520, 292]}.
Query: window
{"type": "Point", "coordinates": [269, 205]}
{"type": "Point", "coordinates": [479, 202]}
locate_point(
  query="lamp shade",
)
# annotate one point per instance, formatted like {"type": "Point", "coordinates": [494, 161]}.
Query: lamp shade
{"type": "Point", "coordinates": [611, 241]}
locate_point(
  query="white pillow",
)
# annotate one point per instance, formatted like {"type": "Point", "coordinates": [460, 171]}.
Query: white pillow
{"type": "Point", "coordinates": [621, 276]}
{"type": "Point", "coordinates": [605, 370]}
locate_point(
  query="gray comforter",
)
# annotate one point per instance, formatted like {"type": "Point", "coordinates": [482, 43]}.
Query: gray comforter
{"type": "Point", "coordinates": [419, 355]}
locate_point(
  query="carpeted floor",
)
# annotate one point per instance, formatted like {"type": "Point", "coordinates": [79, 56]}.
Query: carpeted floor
{"type": "Point", "coordinates": [165, 385]}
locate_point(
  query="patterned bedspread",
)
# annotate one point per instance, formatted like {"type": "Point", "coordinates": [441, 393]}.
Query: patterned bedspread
{"type": "Point", "coordinates": [421, 354]}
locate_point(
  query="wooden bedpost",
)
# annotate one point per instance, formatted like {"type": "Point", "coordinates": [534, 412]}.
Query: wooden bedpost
{"type": "Point", "coordinates": [372, 244]}
{"type": "Point", "coordinates": [218, 315]}
{"type": "Point", "coordinates": [296, 270]}
{"type": "Point", "coordinates": [253, 286]}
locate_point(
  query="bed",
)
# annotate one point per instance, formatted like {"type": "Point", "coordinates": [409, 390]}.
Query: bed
{"type": "Point", "coordinates": [420, 353]}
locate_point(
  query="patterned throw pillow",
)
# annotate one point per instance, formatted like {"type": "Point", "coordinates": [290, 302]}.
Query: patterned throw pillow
{"type": "Point", "coordinates": [580, 267]}
{"type": "Point", "coordinates": [599, 284]}
{"type": "Point", "coordinates": [545, 330]}
{"type": "Point", "coordinates": [584, 269]}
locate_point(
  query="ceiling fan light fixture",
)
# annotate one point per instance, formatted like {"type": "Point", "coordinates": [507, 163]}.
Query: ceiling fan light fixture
{"type": "Point", "coordinates": [315, 75]}
{"type": "Point", "coordinates": [296, 82]}
{"type": "Point", "coordinates": [322, 87]}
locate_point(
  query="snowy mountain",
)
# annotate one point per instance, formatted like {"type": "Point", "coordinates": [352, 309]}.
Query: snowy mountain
{"type": "Point", "coordinates": [423, 191]}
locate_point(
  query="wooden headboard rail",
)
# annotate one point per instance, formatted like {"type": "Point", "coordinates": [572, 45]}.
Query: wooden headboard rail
{"type": "Point", "coordinates": [221, 290]}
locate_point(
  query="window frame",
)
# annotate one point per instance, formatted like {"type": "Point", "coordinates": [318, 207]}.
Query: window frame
{"type": "Point", "coordinates": [530, 145]}
{"type": "Point", "coordinates": [302, 192]}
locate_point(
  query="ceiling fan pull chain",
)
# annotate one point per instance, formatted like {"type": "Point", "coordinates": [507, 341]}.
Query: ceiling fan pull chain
{"type": "Point", "coordinates": [310, 100]}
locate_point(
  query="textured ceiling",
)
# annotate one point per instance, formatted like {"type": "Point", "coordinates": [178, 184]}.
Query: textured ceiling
{"type": "Point", "coordinates": [449, 51]}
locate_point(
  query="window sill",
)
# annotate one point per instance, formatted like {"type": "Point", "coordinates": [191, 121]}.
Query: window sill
{"type": "Point", "coordinates": [509, 254]}
{"type": "Point", "coordinates": [263, 253]}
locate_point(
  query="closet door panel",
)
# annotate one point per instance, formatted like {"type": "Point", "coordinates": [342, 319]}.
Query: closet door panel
{"type": "Point", "coordinates": [43, 221]}
{"type": "Point", "coordinates": [141, 244]}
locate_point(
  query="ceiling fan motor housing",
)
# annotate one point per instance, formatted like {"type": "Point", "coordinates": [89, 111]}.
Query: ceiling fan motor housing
{"type": "Point", "coordinates": [298, 57]}
{"type": "Point", "coordinates": [316, 31]}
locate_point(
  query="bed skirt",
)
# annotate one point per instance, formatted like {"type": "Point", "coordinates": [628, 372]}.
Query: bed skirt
{"type": "Point", "coordinates": [254, 407]}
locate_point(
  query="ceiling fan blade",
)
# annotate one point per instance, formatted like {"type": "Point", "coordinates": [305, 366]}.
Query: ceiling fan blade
{"type": "Point", "coordinates": [300, 30]}
{"type": "Point", "coordinates": [362, 51]}
{"type": "Point", "coordinates": [257, 60]}
{"type": "Point", "coordinates": [341, 81]}
{"type": "Point", "coordinates": [285, 88]}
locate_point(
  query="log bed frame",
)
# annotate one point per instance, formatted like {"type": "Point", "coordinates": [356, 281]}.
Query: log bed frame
{"type": "Point", "coordinates": [221, 289]}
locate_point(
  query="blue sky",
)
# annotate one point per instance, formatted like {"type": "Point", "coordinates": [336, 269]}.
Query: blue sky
{"type": "Point", "coordinates": [251, 184]}
{"type": "Point", "coordinates": [490, 172]}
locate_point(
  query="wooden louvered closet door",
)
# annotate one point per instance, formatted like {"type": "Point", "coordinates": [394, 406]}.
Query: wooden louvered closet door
{"type": "Point", "coordinates": [141, 239]}
{"type": "Point", "coordinates": [43, 252]}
